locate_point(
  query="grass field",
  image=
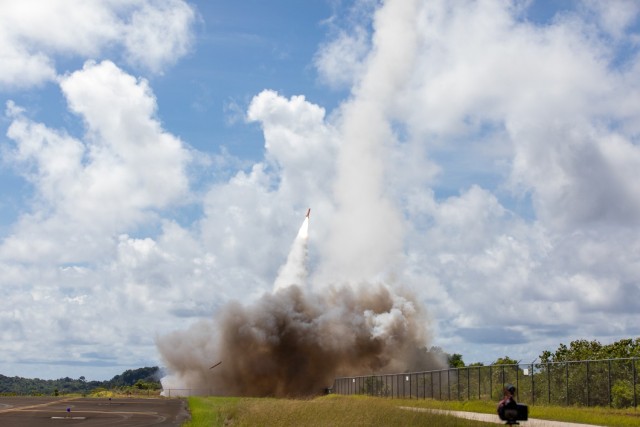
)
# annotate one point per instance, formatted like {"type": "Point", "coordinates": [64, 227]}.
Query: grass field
{"type": "Point", "coordinates": [336, 410]}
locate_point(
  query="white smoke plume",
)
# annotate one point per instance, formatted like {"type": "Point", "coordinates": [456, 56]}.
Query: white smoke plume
{"type": "Point", "coordinates": [367, 234]}
{"type": "Point", "coordinates": [294, 271]}
{"type": "Point", "coordinates": [353, 320]}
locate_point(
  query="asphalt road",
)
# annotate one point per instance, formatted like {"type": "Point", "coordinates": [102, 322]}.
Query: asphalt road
{"type": "Point", "coordinates": [90, 412]}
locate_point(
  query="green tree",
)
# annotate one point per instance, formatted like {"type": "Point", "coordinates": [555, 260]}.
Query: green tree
{"type": "Point", "coordinates": [455, 361]}
{"type": "Point", "coordinates": [505, 361]}
{"type": "Point", "coordinates": [593, 350]}
{"type": "Point", "coordinates": [598, 380]}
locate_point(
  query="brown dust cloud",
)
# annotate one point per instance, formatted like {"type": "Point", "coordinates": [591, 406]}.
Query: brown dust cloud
{"type": "Point", "coordinates": [294, 341]}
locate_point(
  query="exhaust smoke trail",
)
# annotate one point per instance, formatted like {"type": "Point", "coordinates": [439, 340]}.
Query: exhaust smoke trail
{"type": "Point", "coordinates": [294, 270]}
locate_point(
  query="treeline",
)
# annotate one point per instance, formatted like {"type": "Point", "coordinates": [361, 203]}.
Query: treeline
{"type": "Point", "coordinates": [586, 373]}
{"type": "Point", "coordinates": [147, 378]}
{"type": "Point", "coordinates": [577, 350]}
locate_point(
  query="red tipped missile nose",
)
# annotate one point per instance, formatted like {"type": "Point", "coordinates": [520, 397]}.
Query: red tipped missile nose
{"type": "Point", "coordinates": [308, 213]}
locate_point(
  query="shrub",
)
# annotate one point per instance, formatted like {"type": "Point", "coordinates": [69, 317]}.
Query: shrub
{"type": "Point", "coordinates": [622, 394]}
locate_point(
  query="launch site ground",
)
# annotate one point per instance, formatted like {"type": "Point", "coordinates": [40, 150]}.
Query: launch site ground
{"type": "Point", "coordinates": [120, 412]}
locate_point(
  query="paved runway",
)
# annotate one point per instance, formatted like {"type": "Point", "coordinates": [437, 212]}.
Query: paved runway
{"type": "Point", "coordinates": [91, 412]}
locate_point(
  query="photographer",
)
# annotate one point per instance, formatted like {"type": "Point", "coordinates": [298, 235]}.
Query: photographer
{"type": "Point", "coordinates": [508, 402]}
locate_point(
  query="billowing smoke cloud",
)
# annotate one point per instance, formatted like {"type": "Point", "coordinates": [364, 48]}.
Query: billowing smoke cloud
{"type": "Point", "coordinates": [295, 341]}
{"type": "Point", "coordinates": [352, 319]}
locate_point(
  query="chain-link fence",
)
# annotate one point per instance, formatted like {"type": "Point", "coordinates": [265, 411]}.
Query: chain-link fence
{"type": "Point", "coordinates": [610, 382]}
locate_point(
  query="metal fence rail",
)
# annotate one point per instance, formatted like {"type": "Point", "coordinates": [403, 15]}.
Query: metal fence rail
{"type": "Point", "coordinates": [608, 382]}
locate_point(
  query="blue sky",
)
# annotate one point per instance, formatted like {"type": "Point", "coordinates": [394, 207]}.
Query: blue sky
{"type": "Point", "coordinates": [158, 158]}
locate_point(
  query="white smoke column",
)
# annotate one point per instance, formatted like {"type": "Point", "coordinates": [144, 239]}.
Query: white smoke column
{"type": "Point", "coordinates": [367, 234]}
{"type": "Point", "coordinates": [294, 271]}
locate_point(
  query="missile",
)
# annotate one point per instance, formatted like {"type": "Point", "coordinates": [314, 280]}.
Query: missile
{"type": "Point", "coordinates": [216, 364]}
{"type": "Point", "coordinates": [308, 213]}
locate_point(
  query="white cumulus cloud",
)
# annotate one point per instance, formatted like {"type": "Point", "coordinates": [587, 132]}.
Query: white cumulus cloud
{"type": "Point", "coordinates": [35, 34]}
{"type": "Point", "coordinates": [126, 167]}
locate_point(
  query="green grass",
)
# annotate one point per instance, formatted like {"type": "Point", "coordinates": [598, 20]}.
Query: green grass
{"type": "Point", "coordinates": [322, 411]}
{"type": "Point", "coordinates": [366, 411]}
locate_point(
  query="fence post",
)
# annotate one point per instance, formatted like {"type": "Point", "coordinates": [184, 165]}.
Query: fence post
{"type": "Point", "coordinates": [533, 386]}
{"type": "Point", "coordinates": [588, 387]}
{"type": "Point", "coordinates": [448, 384]}
{"type": "Point", "coordinates": [479, 390]}
{"type": "Point", "coordinates": [433, 389]}
{"type": "Point", "coordinates": [548, 384]}
{"type": "Point", "coordinates": [468, 384]}
{"type": "Point", "coordinates": [567, 381]}
{"type": "Point", "coordinates": [394, 386]}
{"type": "Point", "coordinates": [517, 382]}
{"type": "Point", "coordinates": [490, 383]}
{"type": "Point", "coordinates": [609, 381]}
{"type": "Point", "coordinates": [375, 387]}
{"type": "Point", "coordinates": [635, 380]}
{"type": "Point", "coordinates": [386, 387]}
{"type": "Point", "coordinates": [404, 386]}
{"type": "Point", "coordinates": [431, 375]}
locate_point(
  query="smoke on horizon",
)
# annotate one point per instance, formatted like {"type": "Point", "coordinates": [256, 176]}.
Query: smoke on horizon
{"type": "Point", "coordinates": [295, 342]}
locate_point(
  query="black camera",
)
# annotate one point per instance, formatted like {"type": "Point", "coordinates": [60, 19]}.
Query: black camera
{"type": "Point", "coordinates": [514, 414]}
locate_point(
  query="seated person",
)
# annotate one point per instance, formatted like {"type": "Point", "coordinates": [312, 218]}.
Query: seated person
{"type": "Point", "coordinates": [508, 407]}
